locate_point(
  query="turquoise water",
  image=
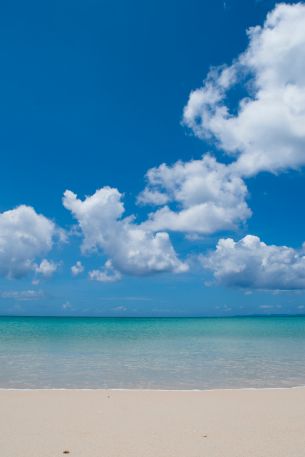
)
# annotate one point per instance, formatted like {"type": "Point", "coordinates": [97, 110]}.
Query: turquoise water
{"type": "Point", "coordinates": [197, 353]}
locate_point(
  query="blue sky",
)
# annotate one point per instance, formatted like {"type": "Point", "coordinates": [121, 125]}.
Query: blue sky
{"type": "Point", "coordinates": [92, 94]}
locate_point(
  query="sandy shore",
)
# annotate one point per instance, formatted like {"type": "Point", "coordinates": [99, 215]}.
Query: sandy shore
{"type": "Point", "coordinates": [107, 423]}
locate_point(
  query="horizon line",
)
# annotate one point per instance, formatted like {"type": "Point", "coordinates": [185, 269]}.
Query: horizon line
{"type": "Point", "coordinates": [55, 316]}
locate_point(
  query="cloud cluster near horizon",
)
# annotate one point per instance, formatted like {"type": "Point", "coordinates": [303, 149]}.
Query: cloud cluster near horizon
{"type": "Point", "coordinates": [210, 197]}
{"type": "Point", "coordinates": [251, 263]}
{"type": "Point", "coordinates": [26, 236]}
{"type": "Point", "coordinates": [130, 249]}
{"type": "Point", "coordinates": [264, 132]}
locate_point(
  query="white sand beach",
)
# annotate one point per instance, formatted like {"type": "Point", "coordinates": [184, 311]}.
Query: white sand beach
{"type": "Point", "coordinates": [148, 423]}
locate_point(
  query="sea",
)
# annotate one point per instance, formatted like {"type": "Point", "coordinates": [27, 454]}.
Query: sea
{"type": "Point", "coordinates": [152, 353]}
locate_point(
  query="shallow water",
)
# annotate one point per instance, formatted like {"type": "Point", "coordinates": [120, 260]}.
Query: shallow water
{"type": "Point", "coordinates": [167, 353]}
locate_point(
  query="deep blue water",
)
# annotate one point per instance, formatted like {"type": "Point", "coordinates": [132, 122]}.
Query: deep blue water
{"type": "Point", "coordinates": [182, 353]}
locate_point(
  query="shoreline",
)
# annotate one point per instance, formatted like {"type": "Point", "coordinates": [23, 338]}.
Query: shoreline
{"type": "Point", "coordinates": [137, 389]}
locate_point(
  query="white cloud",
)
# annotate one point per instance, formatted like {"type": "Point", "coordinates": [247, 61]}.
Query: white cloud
{"type": "Point", "coordinates": [24, 237]}
{"type": "Point", "coordinates": [77, 269]}
{"type": "Point", "coordinates": [250, 263]}
{"type": "Point", "coordinates": [210, 197]}
{"type": "Point", "coordinates": [107, 274]}
{"type": "Point", "coordinates": [268, 130]}
{"type": "Point", "coordinates": [66, 306]}
{"type": "Point", "coordinates": [46, 268]}
{"type": "Point", "coordinates": [22, 295]}
{"type": "Point", "coordinates": [131, 249]}
{"type": "Point", "coordinates": [120, 308]}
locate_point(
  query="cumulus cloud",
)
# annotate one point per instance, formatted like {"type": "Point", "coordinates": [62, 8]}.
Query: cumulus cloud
{"type": "Point", "coordinates": [46, 268]}
{"type": "Point", "coordinates": [251, 263]}
{"type": "Point", "coordinates": [208, 197]}
{"type": "Point", "coordinates": [267, 132]}
{"type": "Point", "coordinates": [77, 269]}
{"type": "Point", "coordinates": [24, 236]}
{"type": "Point", "coordinates": [131, 249]}
{"type": "Point", "coordinates": [107, 274]}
